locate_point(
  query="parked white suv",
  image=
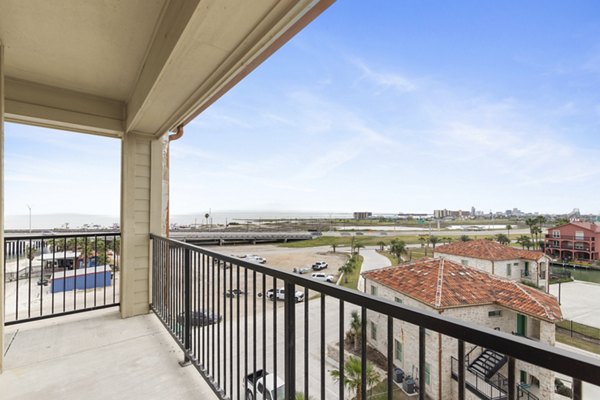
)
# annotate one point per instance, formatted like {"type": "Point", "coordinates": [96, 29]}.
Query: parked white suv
{"type": "Point", "coordinates": [319, 276]}
{"type": "Point", "coordinates": [319, 265]}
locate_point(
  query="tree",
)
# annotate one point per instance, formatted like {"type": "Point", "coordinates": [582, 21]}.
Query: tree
{"type": "Point", "coordinates": [508, 228]}
{"type": "Point", "coordinates": [434, 240]}
{"type": "Point", "coordinates": [397, 248]}
{"type": "Point", "coordinates": [358, 246]}
{"type": "Point", "coordinates": [561, 221]}
{"type": "Point", "coordinates": [348, 268]}
{"type": "Point", "coordinates": [30, 253]}
{"type": "Point", "coordinates": [524, 241]}
{"type": "Point", "coordinates": [447, 239]}
{"type": "Point", "coordinates": [535, 227]}
{"type": "Point", "coordinates": [536, 230]}
{"type": "Point", "coordinates": [353, 376]}
{"type": "Point", "coordinates": [355, 328]}
{"type": "Point", "coordinates": [381, 245]}
{"type": "Point", "coordinates": [532, 224]}
{"type": "Point", "coordinates": [502, 238]}
{"type": "Point", "coordinates": [464, 238]}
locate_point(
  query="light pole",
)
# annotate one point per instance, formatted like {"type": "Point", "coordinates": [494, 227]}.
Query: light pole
{"type": "Point", "coordinates": [28, 206]}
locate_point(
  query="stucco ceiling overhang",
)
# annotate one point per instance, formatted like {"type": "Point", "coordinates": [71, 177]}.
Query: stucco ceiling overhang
{"type": "Point", "coordinates": [112, 66]}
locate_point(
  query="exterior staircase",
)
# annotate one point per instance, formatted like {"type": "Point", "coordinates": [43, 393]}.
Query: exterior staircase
{"type": "Point", "coordinates": [487, 364]}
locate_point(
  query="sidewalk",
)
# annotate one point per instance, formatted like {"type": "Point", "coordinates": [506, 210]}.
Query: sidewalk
{"type": "Point", "coordinates": [371, 260]}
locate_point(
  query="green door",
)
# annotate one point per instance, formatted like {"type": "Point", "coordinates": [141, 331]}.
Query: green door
{"type": "Point", "coordinates": [521, 324]}
{"type": "Point", "coordinates": [526, 268]}
{"type": "Point", "coordinates": [523, 377]}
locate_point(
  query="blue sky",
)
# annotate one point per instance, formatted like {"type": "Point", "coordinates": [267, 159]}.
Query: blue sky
{"type": "Point", "coordinates": [381, 106]}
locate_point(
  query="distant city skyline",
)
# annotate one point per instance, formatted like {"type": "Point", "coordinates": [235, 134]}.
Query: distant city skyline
{"type": "Point", "coordinates": [405, 106]}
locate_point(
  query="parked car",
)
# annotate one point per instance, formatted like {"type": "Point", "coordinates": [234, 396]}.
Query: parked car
{"type": "Point", "coordinates": [279, 294]}
{"type": "Point", "coordinates": [42, 282]}
{"type": "Point", "coordinates": [301, 270]}
{"type": "Point", "coordinates": [319, 265]}
{"type": "Point", "coordinates": [320, 276]}
{"type": "Point", "coordinates": [234, 292]}
{"type": "Point", "coordinates": [265, 382]}
{"type": "Point", "coordinates": [200, 318]}
{"type": "Point", "coordinates": [255, 258]}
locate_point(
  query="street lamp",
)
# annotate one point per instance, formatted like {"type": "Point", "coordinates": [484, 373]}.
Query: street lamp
{"type": "Point", "coordinates": [28, 206]}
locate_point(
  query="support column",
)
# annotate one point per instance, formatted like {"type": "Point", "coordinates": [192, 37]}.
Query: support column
{"type": "Point", "coordinates": [142, 212]}
{"type": "Point", "coordinates": [1, 207]}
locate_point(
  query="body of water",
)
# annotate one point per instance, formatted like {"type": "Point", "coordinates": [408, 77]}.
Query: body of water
{"type": "Point", "coordinates": [580, 274]}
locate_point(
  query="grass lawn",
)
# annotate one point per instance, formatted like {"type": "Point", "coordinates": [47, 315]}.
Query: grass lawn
{"type": "Point", "coordinates": [379, 392]}
{"type": "Point", "coordinates": [346, 241]}
{"type": "Point", "coordinates": [576, 342]}
{"type": "Point", "coordinates": [585, 330]}
{"type": "Point", "coordinates": [353, 276]}
{"type": "Point", "coordinates": [389, 256]}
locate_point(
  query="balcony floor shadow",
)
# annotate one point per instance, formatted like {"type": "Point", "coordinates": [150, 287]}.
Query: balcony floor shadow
{"type": "Point", "coordinates": [96, 355]}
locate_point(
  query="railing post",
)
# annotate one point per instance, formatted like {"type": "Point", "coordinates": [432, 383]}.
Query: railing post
{"type": "Point", "coordinates": [577, 392]}
{"type": "Point", "coordinates": [461, 370]}
{"type": "Point", "coordinates": [290, 341]}
{"type": "Point", "coordinates": [511, 379]}
{"type": "Point", "coordinates": [422, 356]}
{"type": "Point", "coordinates": [187, 306]}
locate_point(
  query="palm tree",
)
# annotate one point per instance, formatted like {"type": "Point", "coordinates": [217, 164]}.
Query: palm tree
{"type": "Point", "coordinates": [352, 376]}
{"type": "Point", "coordinates": [524, 241]}
{"type": "Point", "coordinates": [358, 246]}
{"type": "Point", "coordinates": [397, 248]}
{"type": "Point", "coordinates": [381, 245]}
{"type": "Point", "coordinates": [531, 223]}
{"type": "Point", "coordinates": [508, 228]}
{"type": "Point", "coordinates": [447, 239]}
{"type": "Point", "coordinates": [502, 238]}
{"type": "Point", "coordinates": [348, 268]}
{"type": "Point", "coordinates": [434, 240]}
{"type": "Point", "coordinates": [30, 253]}
{"type": "Point", "coordinates": [536, 230]}
{"type": "Point", "coordinates": [355, 328]}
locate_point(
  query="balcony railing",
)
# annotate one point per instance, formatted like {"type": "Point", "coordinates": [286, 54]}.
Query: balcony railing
{"type": "Point", "coordinates": [215, 308]}
{"type": "Point", "coordinates": [571, 237]}
{"type": "Point", "coordinates": [46, 276]}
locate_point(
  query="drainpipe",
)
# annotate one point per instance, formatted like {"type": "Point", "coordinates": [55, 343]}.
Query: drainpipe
{"type": "Point", "coordinates": [177, 135]}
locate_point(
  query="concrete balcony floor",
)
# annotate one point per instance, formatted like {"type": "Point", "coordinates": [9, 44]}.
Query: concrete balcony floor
{"type": "Point", "coordinates": [96, 355]}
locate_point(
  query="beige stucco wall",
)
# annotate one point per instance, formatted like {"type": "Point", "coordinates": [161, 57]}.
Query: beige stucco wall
{"type": "Point", "coordinates": [142, 212]}
{"type": "Point", "coordinates": [441, 347]}
{"type": "Point", "coordinates": [500, 268]}
{"type": "Point", "coordinates": [1, 204]}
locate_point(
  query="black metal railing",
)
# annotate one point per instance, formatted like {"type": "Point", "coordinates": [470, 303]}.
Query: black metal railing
{"type": "Point", "coordinates": [47, 276]}
{"type": "Point", "coordinates": [216, 309]}
{"type": "Point", "coordinates": [478, 384]}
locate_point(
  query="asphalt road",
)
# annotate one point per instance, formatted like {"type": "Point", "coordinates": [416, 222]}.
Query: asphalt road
{"type": "Point", "coordinates": [308, 347]}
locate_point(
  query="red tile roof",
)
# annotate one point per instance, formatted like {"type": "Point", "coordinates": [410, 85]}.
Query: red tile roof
{"type": "Point", "coordinates": [444, 284]}
{"type": "Point", "coordinates": [585, 225]}
{"type": "Point", "coordinates": [488, 250]}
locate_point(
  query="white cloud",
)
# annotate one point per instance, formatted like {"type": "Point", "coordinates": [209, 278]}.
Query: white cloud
{"type": "Point", "coordinates": [385, 79]}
